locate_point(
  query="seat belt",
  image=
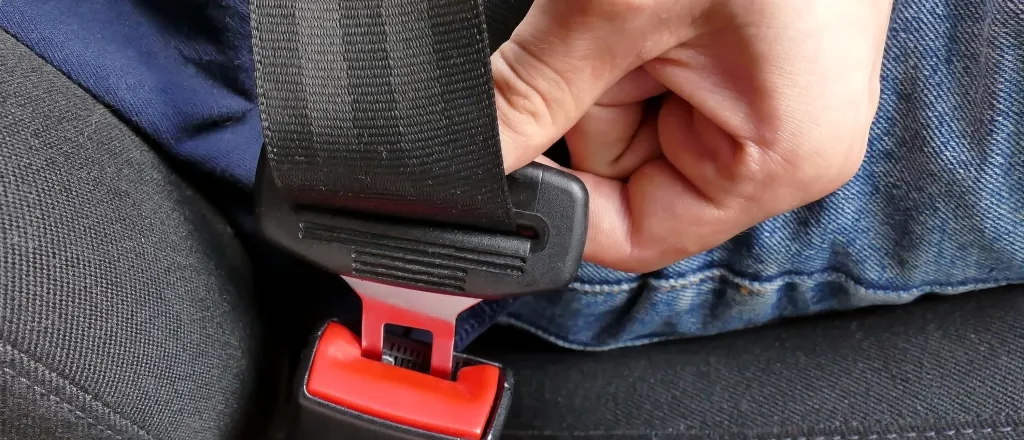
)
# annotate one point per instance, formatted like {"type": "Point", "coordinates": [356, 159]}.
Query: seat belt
{"type": "Point", "coordinates": [382, 107]}
{"type": "Point", "coordinates": [382, 163]}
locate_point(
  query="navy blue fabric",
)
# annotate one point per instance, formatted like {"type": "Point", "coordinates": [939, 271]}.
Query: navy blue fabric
{"type": "Point", "coordinates": [179, 70]}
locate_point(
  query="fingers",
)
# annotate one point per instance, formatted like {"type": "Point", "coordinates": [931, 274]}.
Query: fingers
{"type": "Point", "coordinates": [619, 133]}
{"type": "Point", "coordinates": [651, 221]}
{"type": "Point", "coordinates": [638, 85]}
{"type": "Point", "coordinates": [739, 147]}
{"type": "Point", "coordinates": [558, 62]}
{"type": "Point", "coordinates": [613, 142]}
{"type": "Point", "coordinates": [705, 190]}
{"type": "Point", "coordinates": [760, 119]}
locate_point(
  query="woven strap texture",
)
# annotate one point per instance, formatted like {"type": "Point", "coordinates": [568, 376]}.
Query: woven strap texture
{"type": "Point", "coordinates": [383, 107]}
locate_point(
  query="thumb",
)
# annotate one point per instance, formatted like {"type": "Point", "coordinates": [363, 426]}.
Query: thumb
{"type": "Point", "coordinates": [556, 64]}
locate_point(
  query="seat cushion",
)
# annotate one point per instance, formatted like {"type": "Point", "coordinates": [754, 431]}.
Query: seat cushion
{"type": "Point", "coordinates": [124, 298]}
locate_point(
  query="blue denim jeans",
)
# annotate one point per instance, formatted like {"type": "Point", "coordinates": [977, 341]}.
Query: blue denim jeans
{"type": "Point", "coordinates": [938, 206]}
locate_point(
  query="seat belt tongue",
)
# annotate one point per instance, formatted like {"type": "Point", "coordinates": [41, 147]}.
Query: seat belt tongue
{"type": "Point", "coordinates": [385, 304]}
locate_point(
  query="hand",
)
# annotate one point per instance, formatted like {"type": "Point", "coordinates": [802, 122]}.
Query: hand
{"type": "Point", "coordinates": [691, 121]}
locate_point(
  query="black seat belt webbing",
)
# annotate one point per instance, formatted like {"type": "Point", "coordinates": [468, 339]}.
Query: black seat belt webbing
{"type": "Point", "coordinates": [382, 158]}
{"type": "Point", "coordinates": [382, 107]}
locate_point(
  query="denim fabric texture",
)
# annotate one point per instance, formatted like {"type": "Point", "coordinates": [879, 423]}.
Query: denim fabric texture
{"type": "Point", "coordinates": [938, 206]}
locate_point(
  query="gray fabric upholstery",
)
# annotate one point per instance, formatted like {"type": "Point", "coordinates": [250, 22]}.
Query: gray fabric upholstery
{"type": "Point", "coordinates": [123, 296]}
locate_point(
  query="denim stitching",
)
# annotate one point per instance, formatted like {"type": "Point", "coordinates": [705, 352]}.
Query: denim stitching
{"type": "Point", "coordinates": [805, 279]}
{"type": "Point", "coordinates": [950, 432]}
{"type": "Point", "coordinates": [60, 402]}
{"type": "Point", "coordinates": [898, 296]}
{"type": "Point", "coordinates": [604, 288]}
{"type": "Point", "coordinates": [824, 276]}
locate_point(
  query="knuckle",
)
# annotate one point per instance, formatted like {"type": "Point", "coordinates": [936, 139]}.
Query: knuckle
{"type": "Point", "coordinates": [824, 165]}
{"type": "Point", "coordinates": [757, 166]}
{"type": "Point", "coordinates": [836, 160]}
{"type": "Point", "coordinates": [845, 166]}
{"type": "Point", "coordinates": [796, 171]}
{"type": "Point", "coordinates": [525, 88]}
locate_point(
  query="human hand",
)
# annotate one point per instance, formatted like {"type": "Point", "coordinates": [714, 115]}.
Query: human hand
{"type": "Point", "coordinates": [691, 121]}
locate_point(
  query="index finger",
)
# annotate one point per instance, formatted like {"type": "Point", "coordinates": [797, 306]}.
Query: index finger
{"type": "Point", "coordinates": [555, 66]}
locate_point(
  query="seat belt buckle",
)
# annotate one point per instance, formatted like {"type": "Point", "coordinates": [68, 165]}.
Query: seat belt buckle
{"type": "Point", "coordinates": [344, 395]}
{"type": "Point", "coordinates": [422, 276]}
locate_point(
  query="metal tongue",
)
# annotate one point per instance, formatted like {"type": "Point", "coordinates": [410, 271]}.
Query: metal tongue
{"type": "Point", "coordinates": [433, 312]}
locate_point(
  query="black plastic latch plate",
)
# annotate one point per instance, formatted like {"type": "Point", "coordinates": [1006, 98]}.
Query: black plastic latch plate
{"type": "Point", "coordinates": [550, 206]}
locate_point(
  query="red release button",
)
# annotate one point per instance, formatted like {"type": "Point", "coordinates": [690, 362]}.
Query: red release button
{"type": "Point", "coordinates": [341, 376]}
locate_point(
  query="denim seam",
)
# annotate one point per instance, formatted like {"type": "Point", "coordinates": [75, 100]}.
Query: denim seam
{"type": "Point", "coordinates": [817, 277]}
{"type": "Point", "coordinates": [903, 296]}
{"type": "Point", "coordinates": [888, 436]}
